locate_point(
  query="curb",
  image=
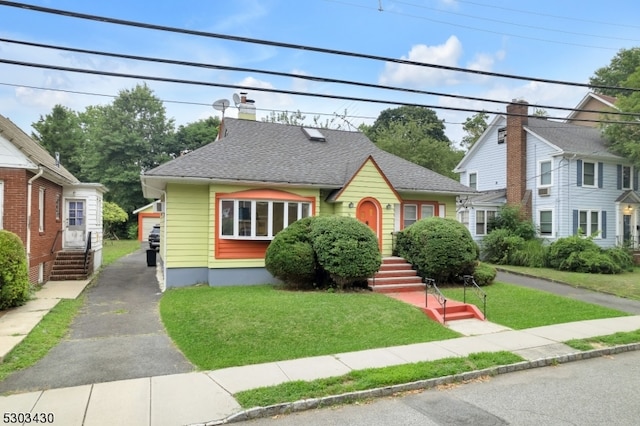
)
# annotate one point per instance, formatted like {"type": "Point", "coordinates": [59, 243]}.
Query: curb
{"type": "Point", "coordinates": [313, 403]}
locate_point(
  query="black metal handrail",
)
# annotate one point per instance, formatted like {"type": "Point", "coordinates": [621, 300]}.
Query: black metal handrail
{"type": "Point", "coordinates": [440, 298]}
{"type": "Point", "coordinates": [470, 281]}
{"type": "Point", "coordinates": [87, 249]}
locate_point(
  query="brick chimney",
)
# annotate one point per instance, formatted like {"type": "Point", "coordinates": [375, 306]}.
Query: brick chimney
{"type": "Point", "coordinates": [517, 112]}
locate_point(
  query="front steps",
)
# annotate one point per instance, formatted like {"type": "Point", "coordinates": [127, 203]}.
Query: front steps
{"type": "Point", "coordinates": [70, 265]}
{"type": "Point", "coordinates": [396, 275]}
{"type": "Point", "coordinates": [397, 279]}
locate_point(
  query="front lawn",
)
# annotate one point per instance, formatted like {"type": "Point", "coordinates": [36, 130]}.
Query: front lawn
{"type": "Point", "coordinates": [231, 326]}
{"type": "Point", "coordinates": [626, 284]}
{"type": "Point", "coordinates": [520, 307]}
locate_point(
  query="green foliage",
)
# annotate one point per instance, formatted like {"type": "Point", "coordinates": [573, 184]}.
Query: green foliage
{"type": "Point", "coordinates": [290, 256]}
{"type": "Point", "coordinates": [417, 135]}
{"type": "Point", "coordinates": [61, 132]}
{"type": "Point", "coordinates": [500, 245]}
{"type": "Point", "coordinates": [474, 127]}
{"type": "Point", "coordinates": [623, 138]}
{"type": "Point", "coordinates": [309, 251]}
{"type": "Point", "coordinates": [112, 214]}
{"type": "Point", "coordinates": [132, 231]}
{"type": "Point", "coordinates": [346, 248]}
{"type": "Point", "coordinates": [484, 274]}
{"type": "Point", "coordinates": [195, 135]}
{"type": "Point", "coordinates": [625, 63]}
{"type": "Point", "coordinates": [581, 254]}
{"type": "Point", "coordinates": [15, 289]}
{"type": "Point", "coordinates": [531, 253]}
{"type": "Point", "coordinates": [438, 248]}
{"type": "Point", "coordinates": [511, 218]}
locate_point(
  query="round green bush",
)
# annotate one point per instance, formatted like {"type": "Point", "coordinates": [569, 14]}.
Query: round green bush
{"type": "Point", "coordinates": [560, 250]}
{"type": "Point", "coordinates": [484, 274]}
{"type": "Point", "coordinates": [438, 248]}
{"type": "Point", "coordinates": [14, 278]}
{"type": "Point", "coordinates": [346, 248]}
{"type": "Point", "coordinates": [290, 256]}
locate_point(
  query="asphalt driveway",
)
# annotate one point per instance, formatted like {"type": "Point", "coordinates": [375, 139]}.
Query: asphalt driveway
{"type": "Point", "coordinates": [117, 335]}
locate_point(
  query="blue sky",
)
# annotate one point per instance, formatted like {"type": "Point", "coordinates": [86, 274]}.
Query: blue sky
{"type": "Point", "coordinates": [560, 40]}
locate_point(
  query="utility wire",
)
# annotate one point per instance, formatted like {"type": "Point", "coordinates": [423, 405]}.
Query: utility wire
{"type": "Point", "coordinates": [290, 75]}
{"type": "Point", "coordinates": [295, 46]}
{"type": "Point", "coordinates": [280, 91]}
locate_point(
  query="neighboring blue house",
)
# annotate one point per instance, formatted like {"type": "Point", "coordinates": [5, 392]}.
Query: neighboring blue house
{"type": "Point", "coordinates": [561, 173]}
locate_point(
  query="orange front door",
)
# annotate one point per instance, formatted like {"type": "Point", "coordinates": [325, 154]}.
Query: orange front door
{"type": "Point", "coordinates": [368, 214]}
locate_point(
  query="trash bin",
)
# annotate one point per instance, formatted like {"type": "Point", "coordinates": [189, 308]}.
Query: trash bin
{"type": "Point", "coordinates": [151, 257]}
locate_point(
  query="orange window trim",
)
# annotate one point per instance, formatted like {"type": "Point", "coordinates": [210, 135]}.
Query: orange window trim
{"type": "Point", "coordinates": [227, 248]}
{"type": "Point", "coordinates": [419, 204]}
{"type": "Point", "coordinates": [141, 217]}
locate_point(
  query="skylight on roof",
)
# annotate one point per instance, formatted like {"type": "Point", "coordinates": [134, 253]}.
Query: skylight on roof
{"type": "Point", "coordinates": [313, 134]}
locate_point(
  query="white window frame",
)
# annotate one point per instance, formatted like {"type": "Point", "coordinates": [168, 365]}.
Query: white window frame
{"type": "Point", "coordinates": [1, 204]}
{"type": "Point", "coordinates": [301, 212]}
{"type": "Point", "coordinates": [463, 217]}
{"type": "Point", "coordinates": [41, 206]}
{"type": "Point", "coordinates": [630, 186]}
{"type": "Point", "coordinates": [552, 234]}
{"type": "Point", "coordinates": [589, 223]}
{"type": "Point", "coordinates": [595, 174]}
{"type": "Point", "coordinates": [406, 219]}
{"type": "Point", "coordinates": [428, 206]}
{"type": "Point", "coordinates": [541, 184]}
{"type": "Point", "coordinates": [475, 185]}
{"type": "Point", "coordinates": [485, 226]}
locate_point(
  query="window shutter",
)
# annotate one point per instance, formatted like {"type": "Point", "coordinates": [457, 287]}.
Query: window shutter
{"type": "Point", "coordinates": [600, 175]}
{"type": "Point", "coordinates": [619, 176]}
{"type": "Point", "coordinates": [635, 179]}
{"type": "Point", "coordinates": [604, 224]}
{"type": "Point", "coordinates": [579, 175]}
{"type": "Point", "coordinates": [575, 222]}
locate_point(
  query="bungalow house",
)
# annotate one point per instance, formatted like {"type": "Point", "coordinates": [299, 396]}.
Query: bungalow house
{"type": "Point", "coordinates": [47, 207]}
{"type": "Point", "coordinates": [561, 173]}
{"type": "Point", "coordinates": [224, 202]}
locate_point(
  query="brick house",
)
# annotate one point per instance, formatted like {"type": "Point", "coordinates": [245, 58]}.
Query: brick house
{"type": "Point", "coordinates": [44, 204]}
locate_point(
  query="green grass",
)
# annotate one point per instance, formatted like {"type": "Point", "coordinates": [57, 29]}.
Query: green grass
{"type": "Point", "coordinates": [113, 250]}
{"type": "Point", "coordinates": [47, 334]}
{"type": "Point", "coordinates": [626, 284]}
{"type": "Point", "coordinates": [621, 338]}
{"type": "Point", "coordinates": [519, 307]}
{"type": "Point", "coordinates": [372, 378]}
{"type": "Point", "coordinates": [231, 326]}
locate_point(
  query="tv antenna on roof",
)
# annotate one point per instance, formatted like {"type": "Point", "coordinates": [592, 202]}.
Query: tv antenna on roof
{"type": "Point", "coordinates": [236, 99]}
{"type": "Point", "coordinates": [221, 105]}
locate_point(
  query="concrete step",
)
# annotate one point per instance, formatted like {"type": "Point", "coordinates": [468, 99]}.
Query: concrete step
{"type": "Point", "coordinates": [396, 273]}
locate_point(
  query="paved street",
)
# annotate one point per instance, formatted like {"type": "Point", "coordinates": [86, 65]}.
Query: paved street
{"type": "Point", "coordinates": [593, 392]}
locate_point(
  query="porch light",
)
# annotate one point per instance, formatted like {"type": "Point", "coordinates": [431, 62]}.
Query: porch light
{"type": "Point", "coordinates": [351, 205]}
{"type": "Point", "coordinates": [388, 206]}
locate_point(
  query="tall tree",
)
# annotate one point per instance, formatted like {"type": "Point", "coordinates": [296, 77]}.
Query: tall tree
{"type": "Point", "coordinates": [60, 132]}
{"type": "Point", "coordinates": [417, 135]}
{"type": "Point", "coordinates": [474, 127]}
{"type": "Point", "coordinates": [128, 137]}
{"type": "Point", "coordinates": [625, 63]}
{"type": "Point", "coordinates": [624, 138]}
{"type": "Point", "coordinates": [194, 135]}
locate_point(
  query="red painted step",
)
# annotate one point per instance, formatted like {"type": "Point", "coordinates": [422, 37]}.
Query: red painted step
{"type": "Point", "coordinates": [395, 274]}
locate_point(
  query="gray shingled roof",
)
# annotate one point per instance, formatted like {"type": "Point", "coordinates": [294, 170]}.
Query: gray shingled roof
{"type": "Point", "coordinates": [571, 138]}
{"type": "Point", "coordinates": [35, 152]}
{"type": "Point", "coordinates": [258, 151]}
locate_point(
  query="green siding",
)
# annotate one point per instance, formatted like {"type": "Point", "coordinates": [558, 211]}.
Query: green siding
{"type": "Point", "coordinates": [448, 200]}
{"type": "Point", "coordinates": [187, 231]}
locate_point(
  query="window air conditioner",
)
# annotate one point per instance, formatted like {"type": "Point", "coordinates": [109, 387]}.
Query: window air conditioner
{"type": "Point", "coordinates": [544, 192]}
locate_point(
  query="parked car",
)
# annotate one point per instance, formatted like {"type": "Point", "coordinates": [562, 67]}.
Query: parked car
{"type": "Point", "coordinates": [154, 237]}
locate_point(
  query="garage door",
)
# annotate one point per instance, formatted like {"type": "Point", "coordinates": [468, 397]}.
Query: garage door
{"type": "Point", "coordinates": [147, 224]}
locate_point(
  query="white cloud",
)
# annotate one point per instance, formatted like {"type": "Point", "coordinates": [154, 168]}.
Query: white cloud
{"type": "Point", "coordinates": [447, 54]}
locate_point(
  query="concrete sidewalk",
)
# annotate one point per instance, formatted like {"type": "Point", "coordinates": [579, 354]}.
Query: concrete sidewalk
{"type": "Point", "coordinates": [207, 397]}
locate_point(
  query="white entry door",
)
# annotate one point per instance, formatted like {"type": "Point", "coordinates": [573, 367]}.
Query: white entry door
{"type": "Point", "coordinates": [76, 224]}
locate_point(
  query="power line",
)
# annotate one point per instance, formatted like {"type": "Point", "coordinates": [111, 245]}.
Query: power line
{"type": "Point", "coordinates": [280, 91]}
{"type": "Point", "coordinates": [296, 46]}
{"type": "Point", "coordinates": [289, 75]}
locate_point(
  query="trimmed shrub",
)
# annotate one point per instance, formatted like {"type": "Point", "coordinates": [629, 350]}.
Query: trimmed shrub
{"type": "Point", "coordinates": [512, 218]}
{"type": "Point", "coordinates": [346, 248]}
{"type": "Point", "coordinates": [500, 245]}
{"type": "Point", "coordinates": [438, 248]}
{"type": "Point", "coordinates": [290, 256]}
{"type": "Point", "coordinates": [562, 249]}
{"type": "Point", "coordinates": [14, 278]}
{"type": "Point", "coordinates": [581, 254]}
{"type": "Point", "coordinates": [622, 257]}
{"type": "Point", "coordinates": [484, 274]}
